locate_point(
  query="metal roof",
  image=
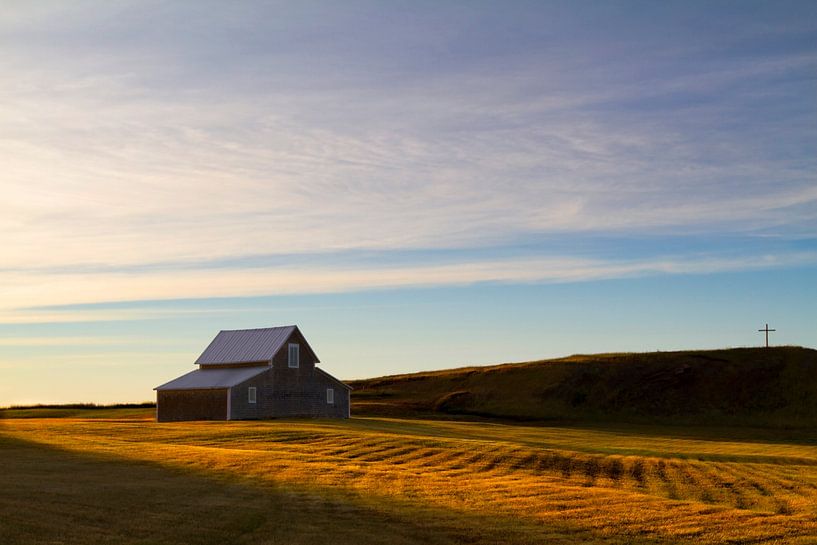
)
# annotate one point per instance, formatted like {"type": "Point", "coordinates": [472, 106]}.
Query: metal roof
{"type": "Point", "coordinates": [245, 345]}
{"type": "Point", "coordinates": [207, 379]}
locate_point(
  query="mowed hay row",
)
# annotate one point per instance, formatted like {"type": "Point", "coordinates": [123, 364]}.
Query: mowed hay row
{"type": "Point", "coordinates": [645, 474]}
{"type": "Point", "coordinates": [707, 482]}
{"type": "Point", "coordinates": [609, 495]}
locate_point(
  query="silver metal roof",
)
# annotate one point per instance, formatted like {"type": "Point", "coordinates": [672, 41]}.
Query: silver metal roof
{"type": "Point", "coordinates": [245, 345]}
{"type": "Point", "coordinates": [207, 379]}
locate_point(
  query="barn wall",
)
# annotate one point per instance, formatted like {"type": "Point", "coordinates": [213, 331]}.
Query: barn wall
{"type": "Point", "coordinates": [307, 358]}
{"type": "Point", "coordinates": [288, 392]}
{"type": "Point", "coordinates": [305, 395]}
{"type": "Point", "coordinates": [242, 409]}
{"type": "Point", "coordinates": [340, 408]}
{"type": "Point", "coordinates": [176, 405]}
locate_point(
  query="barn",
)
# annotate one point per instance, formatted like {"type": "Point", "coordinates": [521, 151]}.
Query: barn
{"type": "Point", "coordinates": [252, 374]}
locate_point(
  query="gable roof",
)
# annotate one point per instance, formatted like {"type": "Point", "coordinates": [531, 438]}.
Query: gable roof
{"type": "Point", "coordinates": [208, 379]}
{"type": "Point", "coordinates": [247, 345]}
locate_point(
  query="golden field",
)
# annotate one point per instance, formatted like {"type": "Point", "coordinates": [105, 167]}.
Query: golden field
{"type": "Point", "coordinates": [115, 476]}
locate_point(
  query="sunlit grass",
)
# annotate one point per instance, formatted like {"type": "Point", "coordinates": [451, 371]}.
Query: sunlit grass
{"type": "Point", "coordinates": [541, 483]}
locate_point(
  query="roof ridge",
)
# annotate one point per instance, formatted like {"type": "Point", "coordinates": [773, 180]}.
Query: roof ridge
{"type": "Point", "coordinates": [259, 328]}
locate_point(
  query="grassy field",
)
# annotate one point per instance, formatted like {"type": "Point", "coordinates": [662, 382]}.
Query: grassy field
{"type": "Point", "coordinates": [774, 387]}
{"type": "Point", "coordinates": [115, 476]}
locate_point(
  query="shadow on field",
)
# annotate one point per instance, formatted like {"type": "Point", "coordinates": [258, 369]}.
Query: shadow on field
{"type": "Point", "coordinates": [702, 432]}
{"type": "Point", "coordinates": [745, 434]}
{"type": "Point", "coordinates": [717, 434]}
{"type": "Point", "coordinates": [49, 495]}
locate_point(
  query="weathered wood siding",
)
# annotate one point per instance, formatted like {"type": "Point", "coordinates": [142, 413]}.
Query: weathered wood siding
{"type": "Point", "coordinates": [242, 409]}
{"type": "Point", "coordinates": [286, 392]}
{"type": "Point", "coordinates": [340, 407]}
{"type": "Point", "coordinates": [176, 405]}
{"type": "Point", "coordinates": [307, 359]}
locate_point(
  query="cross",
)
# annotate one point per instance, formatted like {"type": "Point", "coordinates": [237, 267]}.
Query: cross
{"type": "Point", "coordinates": [767, 334]}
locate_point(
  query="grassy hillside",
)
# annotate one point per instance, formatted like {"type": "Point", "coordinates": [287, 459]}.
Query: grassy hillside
{"type": "Point", "coordinates": [80, 410]}
{"type": "Point", "coordinates": [774, 387]}
{"type": "Point", "coordinates": [398, 482]}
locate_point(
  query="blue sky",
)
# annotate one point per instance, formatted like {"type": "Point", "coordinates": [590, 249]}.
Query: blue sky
{"type": "Point", "coordinates": [418, 185]}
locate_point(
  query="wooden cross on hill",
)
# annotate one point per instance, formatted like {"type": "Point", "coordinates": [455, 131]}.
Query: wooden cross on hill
{"type": "Point", "coordinates": [767, 334]}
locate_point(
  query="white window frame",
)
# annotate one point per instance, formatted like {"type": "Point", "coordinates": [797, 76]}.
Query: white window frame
{"type": "Point", "coordinates": [294, 363]}
{"type": "Point", "coordinates": [252, 394]}
{"type": "Point", "coordinates": [330, 396]}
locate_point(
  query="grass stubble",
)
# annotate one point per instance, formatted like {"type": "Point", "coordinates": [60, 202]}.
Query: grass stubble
{"type": "Point", "coordinates": [119, 477]}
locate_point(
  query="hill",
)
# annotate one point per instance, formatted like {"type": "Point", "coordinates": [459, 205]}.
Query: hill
{"type": "Point", "coordinates": [766, 387]}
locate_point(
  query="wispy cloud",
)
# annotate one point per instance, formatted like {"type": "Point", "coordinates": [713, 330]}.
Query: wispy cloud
{"type": "Point", "coordinates": [77, 341]}
{"type": "Point", "coordinates": [22, 291]}
{"type": "Point", "coordinates": [291, 133]}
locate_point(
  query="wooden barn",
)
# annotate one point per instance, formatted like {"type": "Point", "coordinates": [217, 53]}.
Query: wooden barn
{"type": "Point", "coordinates": [251, 374]}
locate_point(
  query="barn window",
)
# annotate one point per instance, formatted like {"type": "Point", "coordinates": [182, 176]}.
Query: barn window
{"type": "Point", "coordinates": [251, 394]}
{"type": "Point", "coordinates": [294, 350]}
{"type": "Point", "coordinates": [330, 396]}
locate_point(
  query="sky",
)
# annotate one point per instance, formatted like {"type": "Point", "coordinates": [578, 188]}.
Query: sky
{"type": "Point", "coordinates": [417, 185]}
